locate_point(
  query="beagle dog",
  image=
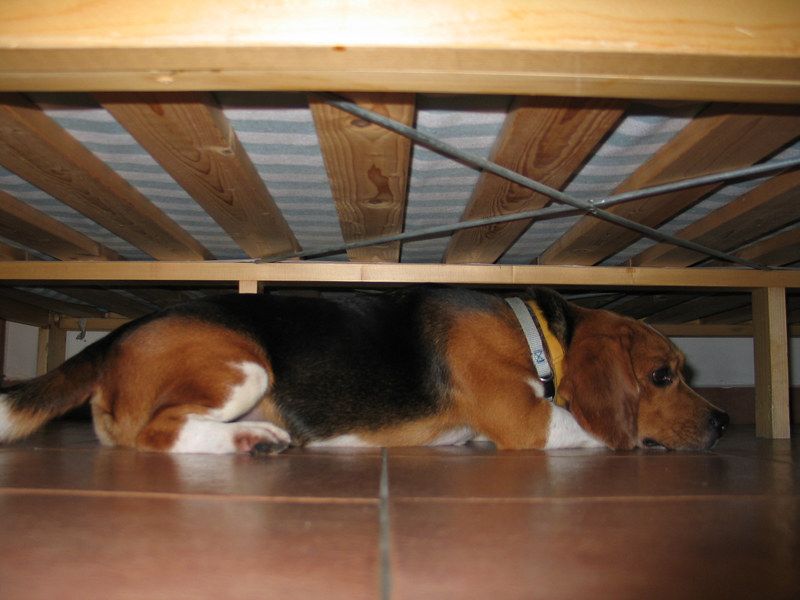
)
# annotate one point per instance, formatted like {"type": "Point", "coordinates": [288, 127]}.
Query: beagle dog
{"type": "Point", "coordinates": [416, 366]}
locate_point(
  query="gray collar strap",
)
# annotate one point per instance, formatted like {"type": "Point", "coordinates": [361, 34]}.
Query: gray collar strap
{"type": "Point", "coordinates": [533, 335]}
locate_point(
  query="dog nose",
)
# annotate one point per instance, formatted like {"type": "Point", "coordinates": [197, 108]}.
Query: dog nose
{"type": "Point", "coordinates": [718, 421]}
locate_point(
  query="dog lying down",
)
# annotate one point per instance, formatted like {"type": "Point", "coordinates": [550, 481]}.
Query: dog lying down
{"type": "Point", "coordinates": [418, 366]}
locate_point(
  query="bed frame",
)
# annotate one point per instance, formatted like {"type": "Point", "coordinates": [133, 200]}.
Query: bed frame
{"type": "Point", "coordinates": [748, 63]}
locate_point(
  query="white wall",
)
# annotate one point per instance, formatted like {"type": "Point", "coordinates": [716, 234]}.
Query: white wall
{"type": "Point", "coordinates": [21, 346]}
{"type": "Point", "coordinates": [714, 362]}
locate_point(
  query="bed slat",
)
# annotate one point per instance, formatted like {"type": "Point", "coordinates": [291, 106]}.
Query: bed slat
{"type": "Point", "coordinates": [37, 149]}
{"type": "Point", "coordinates": [190, 137]}
{"type": "Point", "coordinates": [542, 138]}
{"type": "Point", "coordinates": [719, 138]}
{"type": "Point", "coordinates": [368, 170]}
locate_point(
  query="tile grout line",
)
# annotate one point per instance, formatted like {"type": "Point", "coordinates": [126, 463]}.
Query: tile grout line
{"type": "Point", "coordinates": [383, 519]}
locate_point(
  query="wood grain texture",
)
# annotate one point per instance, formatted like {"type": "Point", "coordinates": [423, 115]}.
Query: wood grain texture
{"type": "Point", "coordinates": [721, 137]}
{"type": "Point", "coordinates": [37, 149]}
{"type": "Point", "coordinates": [766, 208]}
{"type": "Point", "coordinates": [679, 49]}
{"type": "Point", "coordinates": [373, 274]}
{"type": "Point", "coordinates": [30, 227]}
{"type": "Point", "coordinates": [771, 347]}
{"type": "Point", "coordinates": [190, 137]}
{"type": "Point", "coordinates": [545, 139]}
{"type": "Point", "coordinates": [368, 169]}
{"type": "Point", "coordinates": [780, 249]}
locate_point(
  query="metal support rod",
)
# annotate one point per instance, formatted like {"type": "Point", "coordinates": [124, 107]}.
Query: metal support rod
{"type": "Point", "coordinates": [546, 212]}
{"type": "Point", "coordinates": [481, 163]}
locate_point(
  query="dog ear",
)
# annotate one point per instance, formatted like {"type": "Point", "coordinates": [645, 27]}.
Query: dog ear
{"type": "Point", "coordinates": [601, 390]}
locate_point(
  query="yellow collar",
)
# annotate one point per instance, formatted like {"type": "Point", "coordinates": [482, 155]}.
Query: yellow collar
{"type": "Point", "coordinates": [554, 349]}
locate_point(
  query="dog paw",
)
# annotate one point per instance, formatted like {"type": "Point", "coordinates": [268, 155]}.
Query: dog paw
{"type": "Point", "coordinates": [260, 438]}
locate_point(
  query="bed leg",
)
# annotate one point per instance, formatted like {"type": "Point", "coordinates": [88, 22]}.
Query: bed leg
{"type": "Point", "coordinates": [771, 349]}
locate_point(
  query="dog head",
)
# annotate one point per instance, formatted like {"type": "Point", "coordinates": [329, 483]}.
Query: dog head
{"type": "Point", "coordinates": [623, 381]}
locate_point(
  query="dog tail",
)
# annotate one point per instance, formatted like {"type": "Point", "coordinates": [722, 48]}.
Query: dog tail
{"type": "Point", "coordinates": [26, 406]}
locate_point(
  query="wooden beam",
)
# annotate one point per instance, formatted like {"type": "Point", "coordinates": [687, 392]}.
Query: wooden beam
{"type": "Point", "coordinates": [46, 303]}
{"type": "Point", "coordinates": [37, 149]}
{"type": "Point", "coordinates": [712, 330]}
{"type": "Point", "coordinates": [36, 230]}
{"type": "Point", "coordinates": [113, 302]}
{"type": "Point", "coordinates": [780, 249]}
{"type": "Point", "coordinates": [329, 273]}
{"type": "Point", "coordinates": [679, 49]}
{"type": "Point", "coordinates": [193, 141]}
{"type": "Point", "coordinates": [8, 252]}
{"type": "Point", "coordinates": [249, 286]}
{"type": "Point", "coordinates": [22, 312]}
{"type": "Point", "coordinates": [545, 139]}
{"type": "Point", "coordinates": [766, 208]}
{"type": "Point", "coordinates": [771, 348]}
{"type": "Point", "coordinates": [107, 324]}
{"type": "Point", "coordinates": [56, 344]}
{"type": "Point", "coordinates": [698, 307]}
{"type": "Point", "coordinates": [721, 137]}
{"type": "Point", "coordinates": [368, 168]}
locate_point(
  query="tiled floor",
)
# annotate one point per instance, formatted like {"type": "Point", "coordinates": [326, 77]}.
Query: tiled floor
{"type": "Point", "coordinates": [84, 522]}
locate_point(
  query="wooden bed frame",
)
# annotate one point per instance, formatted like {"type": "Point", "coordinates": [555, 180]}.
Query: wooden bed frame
{"type": "Point", "coordinates": [674, 50]}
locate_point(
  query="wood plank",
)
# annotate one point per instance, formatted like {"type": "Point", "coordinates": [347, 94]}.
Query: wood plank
{"type": "Point", "coordinates": [698, 307]}
{"type": "Point", "coordinates": [678, 49]}
{"type": "Point", "coordinates": [769, 207]}
{"type": "Point", "coordinates": [780, 249]}
{"type": "Point", "coordinates": [41, 349]}
{"type": "Point", "coordinates": [37, 149]}
{"type": "Point", "coordinates": [106, 324]}
{"type": "Point", "coordinates": [771, 349]}
{"type": "Point", "coordinates": [53, 305]}
{"type": "Point", "coordinates": [193, 141]}
{"type": "Point", "coordinates": [56, 344]}
{"type": "Point", "coordinates": [9, 252]}
{"type": "Point", "coordinates": [30, 227]}
{"type": "Point", "coordinates": [368, 169]}
{"type": "Point", "coordinates": [346, 274]}
{"type": "Point", "coordinates": [721, 137]}
{"type": "Point", "coordinates": [113, 302]}
{"type": "Point", "coordinates": [546, 139]}
{"type": "Point", "coordinates": [22, 312]}
{"type": "Point", "coordinates": [703, 330]}
{"type": "Point", "coordinates": [640, 306]}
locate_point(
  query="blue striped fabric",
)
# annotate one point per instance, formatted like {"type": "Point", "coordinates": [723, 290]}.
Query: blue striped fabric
{"type": "Point", "coordinates": [277, 131]}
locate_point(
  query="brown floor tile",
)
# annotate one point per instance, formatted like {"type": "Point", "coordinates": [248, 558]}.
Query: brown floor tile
{"type": "Point", "coordinates": [590, 475]}
{"type": "Point", "coordinates": [293, 474]}
{"type": "Point", "coordinates": [78, 547]}
{"type": "Point", "coordinates": [731, 548]}
{"type": "Point", "coordinates": [742, 441]}
{"type": "Point", "coordinates": [60, 434]}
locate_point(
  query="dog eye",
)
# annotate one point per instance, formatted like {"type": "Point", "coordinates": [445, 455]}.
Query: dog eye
{"type": "Point", "coordinates": [662, 377]}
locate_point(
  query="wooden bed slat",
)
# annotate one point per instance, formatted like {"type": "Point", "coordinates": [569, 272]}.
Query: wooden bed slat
{"type": "Point", "coordinates": [37, 149]}
{"type": "Point", "coordinates": [768, 207]}
{"type": "Point", "coordinates": [721, 137]}
{"type": "Point", "coordinates": [697, 308]}
{"type": "Point", "coordinates": [193, 141]}
{"type": "Point", "coordinates": [30, 227]}
{"type": "Point", "coordinates": [778, 250]}
{"type": "Point", "coordinates": [23, 312]}
{"type": "Point", "coordinates": [542, 138]}
{"type": "Point", "coordinates": [368, 169]}
{"type": "Point", "coordinates": [8, 252]}
{"type": "Point", "coordinates": [55, 305]}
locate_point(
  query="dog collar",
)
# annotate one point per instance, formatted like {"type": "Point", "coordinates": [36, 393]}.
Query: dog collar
{"type": "Point", "coordinates": [547, 353]}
